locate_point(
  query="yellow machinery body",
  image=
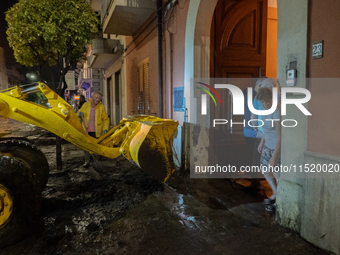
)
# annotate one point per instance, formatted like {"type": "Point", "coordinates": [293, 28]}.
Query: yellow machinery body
{"type": "Point", "coordinates": [144, 139]}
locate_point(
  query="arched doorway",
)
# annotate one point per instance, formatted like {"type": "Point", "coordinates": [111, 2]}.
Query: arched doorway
{"type": "Point", "coordinates": [200, 41]}
{"type": "Point", "coordinates": [205, 40]}
{"type": "Point", "coordinates": [243, 39]}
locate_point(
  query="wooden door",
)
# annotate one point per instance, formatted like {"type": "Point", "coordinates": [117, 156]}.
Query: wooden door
{"type": "Point", "coordinates": [239, 38]}
{"type": "Point", "coordinates": [238, 50]}
{"type": "Point", "coordinates": [239, 33]}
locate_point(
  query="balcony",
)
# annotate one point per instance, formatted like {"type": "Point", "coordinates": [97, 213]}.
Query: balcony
{"type": "Point", "coordinates": [124, 17]}
{"type": "Point", "coordinates": [104, 52]}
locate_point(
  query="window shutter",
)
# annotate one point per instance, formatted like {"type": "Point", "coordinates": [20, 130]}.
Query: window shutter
{"type": "Point", "coordinates": [146, 93]}
{"type": "Point", "coordinates": [143, 86]}
{"type": "Point", "coordinates": [140, 86]}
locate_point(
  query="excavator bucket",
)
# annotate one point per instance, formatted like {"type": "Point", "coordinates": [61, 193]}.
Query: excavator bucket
{"type": "Point", "coordinates": [151, 147]}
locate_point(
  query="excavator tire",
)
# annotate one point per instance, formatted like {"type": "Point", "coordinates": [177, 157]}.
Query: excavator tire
{"type": "Point", "coordinates": [28, 153]}
{"type": "Point", "coordinates": [19, 201]}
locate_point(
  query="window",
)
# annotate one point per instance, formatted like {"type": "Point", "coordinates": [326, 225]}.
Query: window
{"type": "Point", "coordinates": [143, 86]}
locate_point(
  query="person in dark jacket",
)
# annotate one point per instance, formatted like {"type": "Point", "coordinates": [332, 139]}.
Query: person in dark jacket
{"type": "Point", "coordinates": [82, 100]}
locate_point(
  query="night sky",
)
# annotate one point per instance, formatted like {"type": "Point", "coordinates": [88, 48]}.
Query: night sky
{"type": "Point", "coordinates": [4, 6]}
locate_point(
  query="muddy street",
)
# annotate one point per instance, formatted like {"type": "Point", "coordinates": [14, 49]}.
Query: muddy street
{"type": "Point", "coordinates": [120, 210]}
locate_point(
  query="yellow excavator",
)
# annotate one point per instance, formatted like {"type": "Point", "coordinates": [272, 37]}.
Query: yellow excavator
{"type": "Point", "coordinates": [145, 140]}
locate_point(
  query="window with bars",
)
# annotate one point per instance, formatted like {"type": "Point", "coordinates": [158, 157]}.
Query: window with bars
{"type": "Point", "coordinates": [143, 86]}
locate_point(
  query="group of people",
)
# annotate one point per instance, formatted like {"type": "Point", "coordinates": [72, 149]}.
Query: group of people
{"type": "Point", "coordinates": [264, 139]}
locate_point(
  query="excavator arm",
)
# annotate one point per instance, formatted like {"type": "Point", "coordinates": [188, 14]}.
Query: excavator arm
{"type": "Point", "coordinates": [146, 140]}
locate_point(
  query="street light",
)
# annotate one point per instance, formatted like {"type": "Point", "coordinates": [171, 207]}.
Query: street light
{"type": "Point", "coordinates": [32, 77]}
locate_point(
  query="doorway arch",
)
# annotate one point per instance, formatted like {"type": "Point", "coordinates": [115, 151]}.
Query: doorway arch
{"type": "Point", "coordinates": [198, 47]}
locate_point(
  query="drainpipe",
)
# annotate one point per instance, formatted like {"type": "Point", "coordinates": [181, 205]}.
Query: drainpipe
{"type": "Point", "coordinates": [171, 74]}
{"type": "Point", "coordinates": [160, 57]}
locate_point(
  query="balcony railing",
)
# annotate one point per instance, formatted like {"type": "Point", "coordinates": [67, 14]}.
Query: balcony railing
{"type": "Point", "coordinates": [104, 51]}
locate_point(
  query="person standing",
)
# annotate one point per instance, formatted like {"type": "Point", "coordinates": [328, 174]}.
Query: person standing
{"type": "Point", "coordinates": [263, 82]}
{"type": "Point", "coordinates": [96, 119]}
{"type": "Point", "coordinates": [270, 145]}
{"type": "Point", "coordinates": [82, 101]}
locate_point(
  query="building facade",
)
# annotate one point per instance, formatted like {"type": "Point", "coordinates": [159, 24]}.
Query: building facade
{"type": "Point", "coordinates": [3, 72]}
{"type": "Point", "coordinates": [15, 78]}
{"type": "Point", "coordinates": [229, 38]}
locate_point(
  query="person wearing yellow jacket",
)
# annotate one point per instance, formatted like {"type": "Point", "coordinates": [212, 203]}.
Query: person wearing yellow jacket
{"type": "Point", "coordinates": [96, 119]}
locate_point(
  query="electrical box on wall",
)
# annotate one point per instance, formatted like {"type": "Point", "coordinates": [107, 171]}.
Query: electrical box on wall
{"type": "Point", "coordinates": [291, 77]}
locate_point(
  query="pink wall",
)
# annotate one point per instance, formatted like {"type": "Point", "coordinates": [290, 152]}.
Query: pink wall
{"type": "Point", "coordinates": [323, 126]}
{"type": "Point", "coordinates": [141, 47]}
{"type": "Point", "coordinates": [174, 73]}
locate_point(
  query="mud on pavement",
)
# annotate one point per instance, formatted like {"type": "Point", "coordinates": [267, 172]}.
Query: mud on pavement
{"type": "Point", "coordinates": [78, 205]}
{"type": "Point", "coordinates": [120, 210]}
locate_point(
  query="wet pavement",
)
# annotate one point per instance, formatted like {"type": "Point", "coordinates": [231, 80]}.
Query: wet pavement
{"type": "Point", "coordinates": [121, 210]}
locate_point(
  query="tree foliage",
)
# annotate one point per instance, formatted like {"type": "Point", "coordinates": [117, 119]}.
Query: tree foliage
{"type": "Point", "coordinates": [42, 31]}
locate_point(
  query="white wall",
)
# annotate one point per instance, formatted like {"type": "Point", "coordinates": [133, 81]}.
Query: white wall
{"type": "Point", "coordinates": [291, 46]}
